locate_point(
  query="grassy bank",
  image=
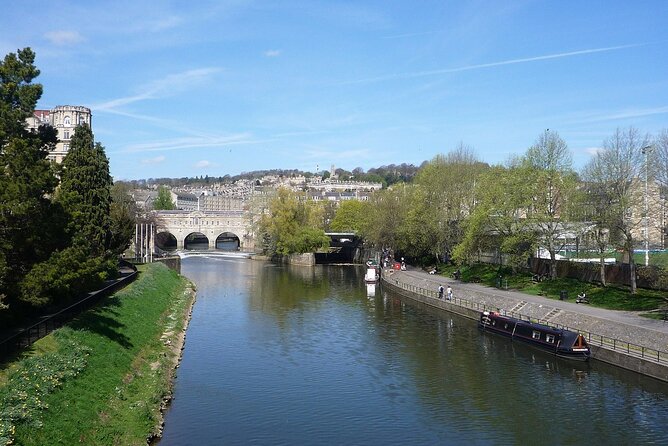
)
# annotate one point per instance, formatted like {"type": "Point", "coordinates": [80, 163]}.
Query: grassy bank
{"type": "Point", "coordinates": [611, 297]}
{"type": "Point", "coordinates": [102, 379]}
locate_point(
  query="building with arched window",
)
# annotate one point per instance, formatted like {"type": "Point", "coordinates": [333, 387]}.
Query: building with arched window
{"type": "Point", "coordinates": [64, 118]}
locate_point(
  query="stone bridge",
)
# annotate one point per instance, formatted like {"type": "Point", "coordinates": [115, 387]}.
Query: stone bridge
{"type": "Point", "coordinates": [194, 229]}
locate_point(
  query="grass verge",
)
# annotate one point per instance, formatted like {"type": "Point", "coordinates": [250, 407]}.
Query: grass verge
{"type": "Point", "coordinates": [102, 379]}
{"type": "Point", "coordinates": [610, 297]}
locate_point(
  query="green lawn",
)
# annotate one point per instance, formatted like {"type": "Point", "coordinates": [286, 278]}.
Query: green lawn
{"type": "Point", "coordinates": [101, 379]}
{"type": "Point", "coordinates": [611, 297]}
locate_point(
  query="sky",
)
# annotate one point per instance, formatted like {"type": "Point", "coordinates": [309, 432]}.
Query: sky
{"type": "Point", "coordinates": [223, 87]}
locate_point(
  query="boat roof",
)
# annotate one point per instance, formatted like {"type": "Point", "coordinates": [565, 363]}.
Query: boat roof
{"type": "Point", "coordinates": [535, 325]}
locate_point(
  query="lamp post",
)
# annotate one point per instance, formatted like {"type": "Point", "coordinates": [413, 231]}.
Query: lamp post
{"type": "Point", "coordinates": [645, 151]}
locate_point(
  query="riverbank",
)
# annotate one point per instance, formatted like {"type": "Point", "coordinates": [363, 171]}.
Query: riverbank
{"type": "Point", "coordinates": [105, 377]}
{"type": "Point", "coordinates": [621, 338]}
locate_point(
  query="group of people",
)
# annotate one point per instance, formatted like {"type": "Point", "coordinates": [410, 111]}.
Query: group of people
{"type": "Point", "coordinates": [447, 291]}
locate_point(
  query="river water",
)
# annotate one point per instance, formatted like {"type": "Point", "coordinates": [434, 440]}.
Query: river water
{"type": "Point", "coordinates": [279, 355]}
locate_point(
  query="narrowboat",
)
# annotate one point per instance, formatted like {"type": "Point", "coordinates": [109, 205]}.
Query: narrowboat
{"type": "Point", "coordinates": [561, 342]}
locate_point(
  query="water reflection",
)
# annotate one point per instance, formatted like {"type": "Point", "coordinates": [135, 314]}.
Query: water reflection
{"type": "Point", "coordinates": [288, 355]}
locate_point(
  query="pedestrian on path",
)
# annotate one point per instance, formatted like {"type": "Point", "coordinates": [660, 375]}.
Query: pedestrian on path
{"type": "Point", "coordinates": [440, 291]}
{"type": "Point", "coordinates": [449, 292]}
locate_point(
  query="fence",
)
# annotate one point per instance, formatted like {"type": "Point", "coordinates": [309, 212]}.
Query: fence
{"type": "Point", "coordinates": [594, 339]}
{"type": "Point", "coordinates": [25, 337]}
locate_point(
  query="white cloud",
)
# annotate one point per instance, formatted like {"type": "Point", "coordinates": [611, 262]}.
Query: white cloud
{"type": "Point", "coordinates": [272, 53]}
{"type": "Point", "coordinates": [203, 163]}
{"type": "Point", "coordinates": [489, 65]}
{"type": "Point", "coordinates": [63, 37]}
{"type": "Point", "coordinates": [592, 150]}
{"type": "Point", "coordinates": [167, 86]}
{"type": "Point", "coordinates": [196, 142]}
{"type": "Point", "coordinates": [627, 114]}
{"type": "Point", "coordinates": [156, 160]}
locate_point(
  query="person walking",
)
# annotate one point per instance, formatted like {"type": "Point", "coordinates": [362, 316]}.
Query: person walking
{"type": "Point", "coordinates": [448, 292]}
{"type": "Point", "coordinates": [440, 291]}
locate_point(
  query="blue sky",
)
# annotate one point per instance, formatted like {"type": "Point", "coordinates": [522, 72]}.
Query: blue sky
{"type": "Point", "coordinates": [222, 87]}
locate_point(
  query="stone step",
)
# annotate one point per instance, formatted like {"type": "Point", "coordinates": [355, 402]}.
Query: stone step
{"type": "Point", "coordinates": [517, 308]}
{"type": "Point", "coordinates": [553, 313]}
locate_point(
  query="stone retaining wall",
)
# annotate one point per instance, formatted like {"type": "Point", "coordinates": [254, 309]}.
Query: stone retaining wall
{"type": "Point", "coordinates": [424, 291]}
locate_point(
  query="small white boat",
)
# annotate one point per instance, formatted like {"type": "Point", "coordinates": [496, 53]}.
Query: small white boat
{"type": "Point", "coordinates": [371, 275]}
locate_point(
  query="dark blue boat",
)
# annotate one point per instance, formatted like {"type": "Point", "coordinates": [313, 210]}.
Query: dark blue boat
{"type": "Point", "coordinates": [561, 342]}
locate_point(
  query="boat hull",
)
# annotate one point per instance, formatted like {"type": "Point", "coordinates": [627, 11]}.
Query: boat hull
{"type": "Point", "coordinates": [562, 343]}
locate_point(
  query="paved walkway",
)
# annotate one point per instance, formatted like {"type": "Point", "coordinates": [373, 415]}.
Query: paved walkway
{"type": "Point", "coordinates": [625, 326]}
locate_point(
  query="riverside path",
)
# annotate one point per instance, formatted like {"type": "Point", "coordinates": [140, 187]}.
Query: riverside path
{"type": "Point", "coordinates": [624, 332]}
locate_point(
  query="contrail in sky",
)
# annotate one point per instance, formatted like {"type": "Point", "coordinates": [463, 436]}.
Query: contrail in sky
{"type": "Point", "coordinates": [489, 65]}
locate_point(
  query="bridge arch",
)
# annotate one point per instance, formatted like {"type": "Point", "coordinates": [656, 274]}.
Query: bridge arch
{"type": "Point", "coordinates": [228, 241]}
{"type": "Point", "coordinates": [196, 241]}
{"type": "Point", "coordinates": [166, 241]}
{"type": "Point", "coordinates": [211, 224]}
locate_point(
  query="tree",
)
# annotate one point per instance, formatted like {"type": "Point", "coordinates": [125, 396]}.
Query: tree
{"type": "Point", "coordinates": [498, 219]}
{"type": "Point", "coordinates": [619, 168]}
{"type": "Point", "coordinates": [164, 200]}
{"type": "Point", "coordinates": [18, 95]}
{"type": "Point", "coordinates": [551, 187]}
{"type": "Point", "coordinates": [291, 226]}
{"type": "Point", "coordinates": [660, 161]}
{"type": "Point", "coordinates": [123, 215]}
{"type": "Point", "coordinates": [595, 199]}
{"type": "Point", "coordinates": [84, 195]}
{"type": "Point", "coordinates": [447, 185]}
{"type": "Point", "coordinates": [85, 192]}
{"type": "Point", "coordinates": [351, 216]}
{"type": "Point", "coordinates": [387, 214]}
{"type": "Point", "coordinates": [28, 219]}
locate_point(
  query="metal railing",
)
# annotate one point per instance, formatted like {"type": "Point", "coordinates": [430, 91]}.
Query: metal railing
{"type": "Point", "coordinates": [594, 339]}
{"type": "Point", "coordinates": [24, 337]}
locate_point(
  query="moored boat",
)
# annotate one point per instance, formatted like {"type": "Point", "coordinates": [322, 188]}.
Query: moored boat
{"type": "Point", "coordinates": [371, 275]}
{"type": "Point", "coordinates": [563, 343]}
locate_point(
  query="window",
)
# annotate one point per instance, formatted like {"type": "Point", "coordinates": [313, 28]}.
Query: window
{"type": "Point", "coordinates": [549, 338]}
{"type": "Point", "coordinates": [535, 334]}
{"type": "Point", "coordinates": [67, 120]}
{"type": "Point", "coordinates": [66, 147]}
{"type": "Point", "coordinates": [82, 120]}
{"type": "Point", "coordinates": [66, 134]}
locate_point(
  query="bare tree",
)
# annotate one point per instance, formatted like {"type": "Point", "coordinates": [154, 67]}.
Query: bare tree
{"type": "Point", "coordinates": [660, 163]}
{"type": "Point", "coordinates": [551, 184]}
{"type": "Point", "coordinates": [618, 169]}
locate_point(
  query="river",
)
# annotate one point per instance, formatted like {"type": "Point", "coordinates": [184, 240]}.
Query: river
{"type": "Point", "coordinates": [279, 355]}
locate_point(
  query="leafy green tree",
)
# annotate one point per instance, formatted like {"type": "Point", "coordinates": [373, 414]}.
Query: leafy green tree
{"type": "Point", "coordinates": [28, 219]}
{"type": "Point", "coordinates": [351, 215]}
{"type": "Point", "coordinates": [18, 95]}
{"type": "Point", "coordinates": [291, 226]}
{"type": "Point", "coordinates": [65, 275]}
{"type": "Point", "coordinates": [123, 214]}
{"type": "Point", "coordinates": [84, 195]}
{"type": "Point", "coordinates": [85, 192]}
{"type": "Point", "coordinates": [499, 217]}
{"type": "Point", "coordinates": [388, 209]}
{"type": "Point", "coordinates": [164, 200]}
{"type": "Point", "coordinates": [447, 185]}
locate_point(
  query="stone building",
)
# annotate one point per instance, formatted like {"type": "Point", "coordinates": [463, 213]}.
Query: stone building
{"type": "Point", "coordinates": [64, 118]}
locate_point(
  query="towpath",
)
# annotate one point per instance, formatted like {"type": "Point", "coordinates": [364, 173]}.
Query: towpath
{"type": "Point", "coordinates": [625, 326]}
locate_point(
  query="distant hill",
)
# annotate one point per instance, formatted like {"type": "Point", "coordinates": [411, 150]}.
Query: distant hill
{"type": "Point", "coordinates": [387, 175]}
